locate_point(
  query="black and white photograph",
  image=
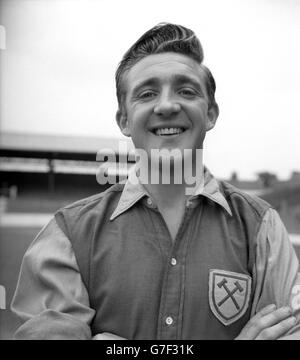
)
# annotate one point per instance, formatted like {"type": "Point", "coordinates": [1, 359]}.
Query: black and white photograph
{"type": "Point", "coordinates": [149, 172]}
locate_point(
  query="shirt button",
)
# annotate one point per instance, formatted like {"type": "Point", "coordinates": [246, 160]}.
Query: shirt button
{"type": "Point", "coordinates": [191, 203]}
{"type": "Point", "coordinates": [149, 201]}
{"type": "Point", "coordinates": [173, 261]}
{"type": "Point", "coordinates": [169, 320]}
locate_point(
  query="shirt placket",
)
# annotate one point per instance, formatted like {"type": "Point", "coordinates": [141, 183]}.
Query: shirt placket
{"type": "Point", "coordinates": [172, 296]}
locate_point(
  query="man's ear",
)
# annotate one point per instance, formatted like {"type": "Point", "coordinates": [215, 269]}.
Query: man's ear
{"type": "Point", "coordinates": [122, 122]}
{"type": "Point", "coordinates": [212, 115]}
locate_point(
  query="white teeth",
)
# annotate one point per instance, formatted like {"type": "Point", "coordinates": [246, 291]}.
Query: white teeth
{"type": "Point", "coordinates": [168, 131]}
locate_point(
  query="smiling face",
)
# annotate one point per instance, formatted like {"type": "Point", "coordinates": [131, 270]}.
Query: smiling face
{"type": "Point", "coordinates": [166, 104]}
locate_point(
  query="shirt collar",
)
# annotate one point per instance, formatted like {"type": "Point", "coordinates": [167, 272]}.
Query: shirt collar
{"type": "Point", "coordinates": [134, 191]}
{"type": "Point", "coordinates": [212, 191]}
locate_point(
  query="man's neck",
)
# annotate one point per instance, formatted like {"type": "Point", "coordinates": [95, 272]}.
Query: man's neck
{"type": "Point", "coordinates": [173, 194]}
{"type": "Point", "coordinates": [172, 185]}
{"type": "Point", "coordinates": [167, 195]}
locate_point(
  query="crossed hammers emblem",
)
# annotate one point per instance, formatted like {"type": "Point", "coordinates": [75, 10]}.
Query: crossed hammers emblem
{"type": "Point", "coordinates": [230, 293]}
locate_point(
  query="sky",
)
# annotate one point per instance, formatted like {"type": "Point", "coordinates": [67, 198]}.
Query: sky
{"type": "Point", "coordinates": [57, 72]}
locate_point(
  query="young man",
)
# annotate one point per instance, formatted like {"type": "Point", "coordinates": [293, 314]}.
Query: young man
{"type": "Point", "coordinates": [149, 260]}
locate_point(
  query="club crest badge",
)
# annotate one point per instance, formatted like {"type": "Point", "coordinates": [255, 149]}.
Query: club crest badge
{"type": "Point", "coordinates": [229, 294]}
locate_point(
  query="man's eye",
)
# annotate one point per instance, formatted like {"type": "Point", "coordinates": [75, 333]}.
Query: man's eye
{"type": "Point", "coordinates": [146, 95]}
{"type": "Point", "coordinates": [187, 92]}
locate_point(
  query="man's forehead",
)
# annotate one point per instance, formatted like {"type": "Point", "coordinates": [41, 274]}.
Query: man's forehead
{"type": "Point", "coordinates": [169, 65]}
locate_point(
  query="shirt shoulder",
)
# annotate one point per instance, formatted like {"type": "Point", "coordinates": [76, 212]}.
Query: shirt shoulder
{"type": "Point", "coordinates": [96, 206]}
{"type": "Point", "coordinates": [79, 221]}
{"type": "Point", "coordinates": [96, 199]}
{"type": "Point", "coordinates": [242, 202]}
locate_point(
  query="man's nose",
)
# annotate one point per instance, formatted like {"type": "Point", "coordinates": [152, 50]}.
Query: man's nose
{"type": "Point", "coordinates": [167, 105]}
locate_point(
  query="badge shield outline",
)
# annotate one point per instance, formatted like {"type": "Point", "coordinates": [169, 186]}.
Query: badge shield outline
{"type": "Point", "coordinates": [222, 306]}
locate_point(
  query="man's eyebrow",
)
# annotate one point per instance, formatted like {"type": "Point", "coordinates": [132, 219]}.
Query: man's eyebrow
{"type": "Point", "coordinates": [182, 79]}
{"type": "Point", "coordinates": [153, 81]}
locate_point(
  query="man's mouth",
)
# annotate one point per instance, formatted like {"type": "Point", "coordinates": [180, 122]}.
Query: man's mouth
{"type": "Point", "coordinates": [168, 131]}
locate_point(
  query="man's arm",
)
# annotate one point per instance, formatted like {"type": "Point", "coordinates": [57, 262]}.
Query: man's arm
{"type": "Point", "coordinates": [277, 282]}
{"type": "Point", "coordinates": [51, 299]}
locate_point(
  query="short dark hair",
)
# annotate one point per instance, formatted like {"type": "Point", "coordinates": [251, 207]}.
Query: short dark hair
{"type": "Point", "coordinates": [165, 37]}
